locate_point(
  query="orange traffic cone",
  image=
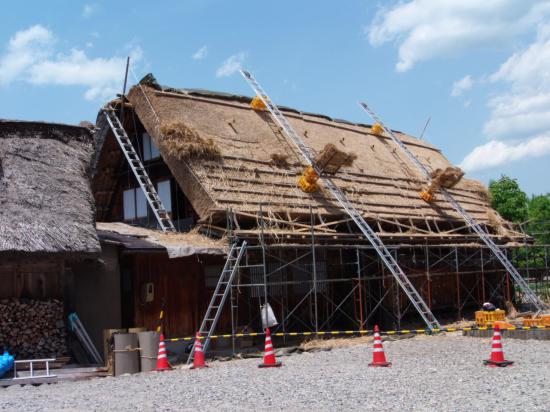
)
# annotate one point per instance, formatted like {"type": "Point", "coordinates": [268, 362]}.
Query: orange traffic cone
{"type": "Point", "coordinates": [378, 355]}
{"type": "Point", "coordinates": [198, 357]}
{"type": "Point", "coordinates": [497, 354]}
{"type": "Point", "coordinates": [162, 360]}
{"type": "Point", "coordinates": [269, 353]}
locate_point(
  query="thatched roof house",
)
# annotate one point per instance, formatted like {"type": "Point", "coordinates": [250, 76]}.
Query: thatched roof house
{"type": "Point", "coordinates": [225, 155]}
{"type": "Point", "coordinates": [46, 204]}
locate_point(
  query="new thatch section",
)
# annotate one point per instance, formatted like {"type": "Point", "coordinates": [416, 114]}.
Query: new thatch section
{"type": "Point", "coordinates": [46, 204]}
{"type": "Point", "coordinates": [255, 164]}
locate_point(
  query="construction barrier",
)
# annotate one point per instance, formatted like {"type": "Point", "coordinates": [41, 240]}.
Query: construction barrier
{"type": "Point", "coordinates": [488, 318]}
{"type": "Point", "coordinates": [358, 332]}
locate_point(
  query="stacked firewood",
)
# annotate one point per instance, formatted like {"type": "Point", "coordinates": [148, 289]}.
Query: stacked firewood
{"type": "Point", "coordinates": [32, 329]}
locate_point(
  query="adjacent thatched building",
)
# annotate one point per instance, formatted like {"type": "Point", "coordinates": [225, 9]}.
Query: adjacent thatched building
{"type": "Point", "coordinates": [229, 171]}
{"type": "Point", "coordinates": [46, 226]}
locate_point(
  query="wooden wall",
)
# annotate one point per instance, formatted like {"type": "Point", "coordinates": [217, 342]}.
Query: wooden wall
{"type": "Point", "coordinates": [31, 279]}
{"type": "Point", "coordinates": [179, 288]}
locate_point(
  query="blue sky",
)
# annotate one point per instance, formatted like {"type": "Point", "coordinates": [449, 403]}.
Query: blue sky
{"type": "Point", "coordinates": [479, 70]}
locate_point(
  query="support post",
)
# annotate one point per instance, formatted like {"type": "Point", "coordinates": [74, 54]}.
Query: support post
{"type": "Point", "coordinates": [428, 280]}
{"type": "Point", "coordinates": [124, 90]}
{"type": "Point", "coordinates": [262, 240]}
{"type": "Point", "coordinates": [314, 267]}
{"type": "Point", "coordinates": [360, 286]}
{"type": "Point", "coordinates": [397, 295]}
{"type": "Point", "coordinates": [458, 305]}
{"type": "Point", "coordinates": [482, 275]}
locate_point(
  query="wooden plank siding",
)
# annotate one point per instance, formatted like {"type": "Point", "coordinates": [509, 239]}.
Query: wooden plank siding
{"type": "Point", "coordinates": [180, 285]}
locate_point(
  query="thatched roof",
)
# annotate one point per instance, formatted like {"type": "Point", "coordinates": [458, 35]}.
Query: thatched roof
{"type": "Point", "coordinates": [175, 244]}
{"type": "Point", "coordinates": [46, 204]}
{"type": "Point", "coordinates": [246, 170]}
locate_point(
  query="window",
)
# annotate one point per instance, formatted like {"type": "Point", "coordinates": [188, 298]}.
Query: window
{"type": "Point", "coordinates": [150, 151]}
{"type": "Point", "coordinates": [165, 194]}
{"type": "Point", "coordinates": [141, 203]}
{"type": "Point", "coordinates": [129, 201]}
{"type": "Point", "coordinates": [135, 204]}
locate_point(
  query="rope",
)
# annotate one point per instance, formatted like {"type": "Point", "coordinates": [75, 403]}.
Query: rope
{"type": "Point", "coordinates": [127, 349]}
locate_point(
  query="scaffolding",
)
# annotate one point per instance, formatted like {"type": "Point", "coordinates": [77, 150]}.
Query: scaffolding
{"type": "Point", "coordinates": [321, 283]}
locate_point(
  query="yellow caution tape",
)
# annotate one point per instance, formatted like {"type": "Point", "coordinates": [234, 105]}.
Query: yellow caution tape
{"type": "Point", "coordinates": [361, 332]}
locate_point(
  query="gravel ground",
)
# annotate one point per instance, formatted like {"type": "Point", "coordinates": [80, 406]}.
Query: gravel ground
{"type": "Point", "coordinates": [429, 373]}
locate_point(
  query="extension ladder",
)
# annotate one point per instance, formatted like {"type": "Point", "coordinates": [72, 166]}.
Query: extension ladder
{"type": "Point", "coordinates": [369, 233]}
{"type": "Point", "coordinates": [139, 171]}
{"type": "Point", "coordinates": [477, 228]}
{"type": "Point", "coordinates": [215, 308]}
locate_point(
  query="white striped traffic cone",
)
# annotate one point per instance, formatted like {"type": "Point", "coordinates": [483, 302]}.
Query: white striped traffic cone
{"type": "Point", "coordinates": [497, 353]}
{"type": "Point", "coordinates": [198, 356]}
{"type": "Point", "coordinates": [378, 355]}
{"type": "Point", "coordinates": [162, 360]}
{"type": "Point", "coordinates": [269, 353]}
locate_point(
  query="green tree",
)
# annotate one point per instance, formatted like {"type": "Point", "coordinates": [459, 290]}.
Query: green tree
{"type": "Point", "coordinates": [508, 199]}
{"type": "Point", "coordinates": [539, 218]}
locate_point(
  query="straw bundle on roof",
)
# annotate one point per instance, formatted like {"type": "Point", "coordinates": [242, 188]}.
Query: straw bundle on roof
{"type": "Point", "coordinates": [183, 142]}
{"type": "Point", "coordinates": [331, 159]}
{"type": "Point", "coordinates": [446, 178]}
{"type": "Point", "coordinates": [280, 160]}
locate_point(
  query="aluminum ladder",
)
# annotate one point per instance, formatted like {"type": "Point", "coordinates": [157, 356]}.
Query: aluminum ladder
{"type": "Point", "coordinates": [223, 288]}
{"type": "Point", "coordinates": [162, 216]}
{"type": "Point", "coordinates": [476, 227]}
{"type": "Point", "coordinates": [370, 234]}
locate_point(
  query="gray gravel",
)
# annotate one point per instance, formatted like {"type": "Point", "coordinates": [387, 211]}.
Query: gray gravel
{"type": "Point", "coordinates": [429, 373]}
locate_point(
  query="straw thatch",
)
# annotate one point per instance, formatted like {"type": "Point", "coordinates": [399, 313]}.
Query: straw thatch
{"type": "Point", "coordinates": [46, 204]}
{"type": "Point", "coordinates": [280, 160]}
{"type": "Point", "coordinates": [257, 165]}
{"type": "Point", "coordinates": [184, 143]}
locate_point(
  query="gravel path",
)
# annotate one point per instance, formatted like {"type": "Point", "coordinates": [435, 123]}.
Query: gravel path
{"type": "Point", "coordinates": [429, 373]}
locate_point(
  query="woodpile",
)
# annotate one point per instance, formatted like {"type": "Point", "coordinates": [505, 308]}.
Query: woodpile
{"type": "Point", "coordinates": [32, 329]}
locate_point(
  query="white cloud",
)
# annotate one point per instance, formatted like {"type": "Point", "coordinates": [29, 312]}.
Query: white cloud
{"type": "Point", "coordinates": [200, 54]}
{"type": "Point", "coordinates": [25, 48]}
{"type": "Point", "coordinates": [520, 113]}
{"type": "Point", "coordinates": [525, 108]}
{"type": "Point", "coordinates": [467, 103]}
{"type": "Point", "coordinates": [496, 153]}
{"type": "Point", "coordinates": [30, 57]}
{"type": "Point", "coordinates": [88, 10]}
{"type": "Point", "coordinates": [460, 86]}
{"type": "Point", "coordinates": [103, 77]}
{"type": "Point", "coordinates": [231, 65]}
{"type": "Point", "coordinates": [425, 29]}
